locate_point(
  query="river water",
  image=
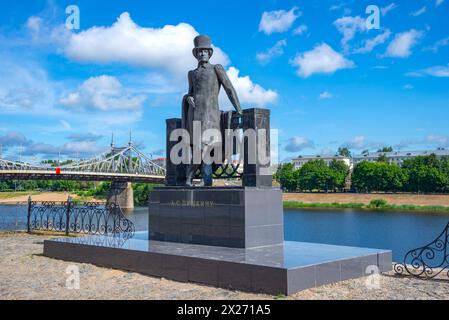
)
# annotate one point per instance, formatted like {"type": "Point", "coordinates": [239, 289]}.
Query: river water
{"type": "Point", "coordinates": [397, 231]}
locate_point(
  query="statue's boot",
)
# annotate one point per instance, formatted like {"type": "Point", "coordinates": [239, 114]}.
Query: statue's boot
{"type": "Point", "coordinates": [206, 173]}
{"type": "Point", "coordinates": [190, 173]}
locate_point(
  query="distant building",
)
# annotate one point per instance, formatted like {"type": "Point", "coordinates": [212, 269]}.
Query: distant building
{"type": "Point", "coordinates": [302, 160]}
{"type": "Point", "coordinates": [397, 157]}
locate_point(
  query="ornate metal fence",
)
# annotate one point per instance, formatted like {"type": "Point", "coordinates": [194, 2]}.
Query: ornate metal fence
{"type": "Point", "coordinates": [70, 217]}
{"type": "Point", "coordinates": [427, 261]}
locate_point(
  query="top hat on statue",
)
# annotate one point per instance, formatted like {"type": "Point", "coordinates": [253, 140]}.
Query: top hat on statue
{"type": "Point", "coordinates": [202, 42]}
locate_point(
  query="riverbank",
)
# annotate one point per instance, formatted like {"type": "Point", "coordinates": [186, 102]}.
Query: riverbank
{"type": "Point", "coordinates": [372, 201]}
{"type": "Point", "coordinates": [27, 274]}
{"type": "Point", "coordinates": [366, 198]}
{"type": "Point", "coordinates": [12, 197]}
{"type": "Point", "coordinates": [376, 204]}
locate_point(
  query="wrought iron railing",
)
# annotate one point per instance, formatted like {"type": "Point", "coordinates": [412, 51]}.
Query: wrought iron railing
{"type": "Point", "coordinates": [427, 261]}
{"type": "Point", "coordinates": [70, 217]}
{"type": "Point", "coordinates": [116, 240]}
{"type": "Point", "coordinates": [224, 171]}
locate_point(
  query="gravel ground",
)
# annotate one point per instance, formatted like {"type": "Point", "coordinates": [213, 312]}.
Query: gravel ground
{"type": "Point", "coordinates": [26, 274]}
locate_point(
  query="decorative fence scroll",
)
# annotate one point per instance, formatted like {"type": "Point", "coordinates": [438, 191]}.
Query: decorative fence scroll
{"type": "Point", "coordinates": [427, 261]}
{"type": "Point", "coordinates": [86, 218]}
{"type": "Point", "coordinates": [224, 171]}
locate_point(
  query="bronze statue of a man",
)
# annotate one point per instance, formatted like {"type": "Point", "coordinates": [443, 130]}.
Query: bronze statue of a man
{"type": "Point", "coordinates": [201, 102]}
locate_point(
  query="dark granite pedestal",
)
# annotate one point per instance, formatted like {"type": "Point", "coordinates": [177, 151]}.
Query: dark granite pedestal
{"type": "Point", "coordinates": [238, 217]}
{"type": "Point", "coordinates": [278, 269]}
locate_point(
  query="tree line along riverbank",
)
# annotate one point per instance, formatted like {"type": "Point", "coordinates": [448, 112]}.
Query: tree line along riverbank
{"type": "Point", "coordinates": [423, 174]}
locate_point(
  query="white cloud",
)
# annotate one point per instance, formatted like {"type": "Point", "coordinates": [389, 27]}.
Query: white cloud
{"type": "Point", "coordinates": [336, 6]}
{"type": "Point", "coordinates": [26, 91]}
{"type": "Point", "coordinates": [360, 143]}
{"type": "Point", "coordinates": [388, 8]}
{"type": "Point", "coordinates": [275, 51]}
{"type": "Point", "coordinates": [419, 12]}
{"type": "Point", "coordinates": [24, 87]}
{"type": "Point", "coordinates": [13, 138]}
{"type": "Point", "coordinates": [297, 143]}
{"type": "Point", "coordinates": [432, 140]}
{"type": "Point", "coordinates": [408, 87]}
{"type": "Point", "coordinates": [349, 26]}
{"type": "Point", "coordinates": [81, 137]}
{"type": "Point", "coordinates": [66, 125]}
{"type": "Point", "coordinates": [437, 45]}
{"type": "Point", "coordinates": [370, 44]}
{"type": "Point", "coordinates": [83, 148]}
{"type": "Point", "coordinates": [165, 54]}
{"type": "Point", "coordinates": [278, 21]}
{"type": "Point", "coordinates": [247, 91]}
{"type": "Point", "coordinates": [438, 2]}
{"type": "Point", "coordinates": [321, 59]}
{"type": "Point", "coordinates": [436, 71]}
{"type": "Point", "coordinates": [402, 44]}
{"type": "Point", "coordinates": [103, 93]}
{"type": "Point", "coordinates": [325, 95]}
{"type": "Point", "coordinates": [441, 141]}
{"type": "Point", "coordinates": [34, 24]}
{"type": "Point", "coordinates": [300, 30]}
{"type": "Point", "coordinates": [20, 98]}
{"type": "Point", "coordinates": [168, 48]}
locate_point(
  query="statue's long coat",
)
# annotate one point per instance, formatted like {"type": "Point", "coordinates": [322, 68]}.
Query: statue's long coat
{"type": "Point", "coordinates": [204, 86]}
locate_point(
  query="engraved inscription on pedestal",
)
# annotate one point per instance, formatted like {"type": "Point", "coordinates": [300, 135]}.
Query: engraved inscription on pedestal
{"type": "Point", "coordinates": [227, 217]}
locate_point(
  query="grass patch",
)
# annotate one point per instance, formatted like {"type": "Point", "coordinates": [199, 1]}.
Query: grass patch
{"type": "Point", "coordinates": [375, 205]}
{"type": "Point", "coordinates": [324, 205]}
{"type": "Point", "coordinates": [81, 199]}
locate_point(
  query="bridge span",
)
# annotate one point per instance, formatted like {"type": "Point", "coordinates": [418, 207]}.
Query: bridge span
{"type": "Point", "coordinates": [78, 175]}
{"type": "Point", "coordinates": [121, 166]}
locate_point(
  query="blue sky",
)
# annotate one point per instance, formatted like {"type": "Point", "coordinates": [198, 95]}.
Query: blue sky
{"type": "Point", "coordinates": [328, 79]}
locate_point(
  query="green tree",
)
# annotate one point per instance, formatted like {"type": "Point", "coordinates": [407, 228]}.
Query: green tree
{"type": "Point", "coordinates": [391, 178]}
{"type": "Point", "coordinates": [427, 174]}
{"type": "Point", "coordinates": [383, 158]}
{"type": "Point", "coordinates": [362, 176]}
{"type": "Point", "coordinates": [287, 176]}
{"type": "Point", "coordinates": [385, 149]}
{"type": "Point", "coordinates": [344, 152]}
{"type": "Point", "coordinates": [142, 192]}
{"type": "Point", "coordinates": [316, 175]}
{"type": "Point", "coordinates": [340, 171]}
{"type": "Point", "coordinates": [378, 176]}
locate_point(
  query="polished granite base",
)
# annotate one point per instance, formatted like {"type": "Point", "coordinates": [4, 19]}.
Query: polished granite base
{"type": "Point", "coordinates": [280, 269]}
{"type": "Point", "coordinates": [233, 217]}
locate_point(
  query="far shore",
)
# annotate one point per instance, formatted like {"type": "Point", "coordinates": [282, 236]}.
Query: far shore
{"type": "Point", "coordinates": [366, 198]}
{"type": "Point", "coordinates": [395, 202]}
{"type": "Point", "coordinates": [13, 197]}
